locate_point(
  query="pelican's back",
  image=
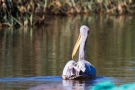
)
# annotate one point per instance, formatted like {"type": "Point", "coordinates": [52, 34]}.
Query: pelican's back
{"type": "Point", "coordinates": [87, 68]}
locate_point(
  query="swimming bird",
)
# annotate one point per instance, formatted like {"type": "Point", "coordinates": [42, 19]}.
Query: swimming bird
{"type": "Point", "coordinates": [81, 69]}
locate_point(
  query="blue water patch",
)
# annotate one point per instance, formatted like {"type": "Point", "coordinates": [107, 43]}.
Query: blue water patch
{"type": "Point", "coordinates": [39, 78]}
{"type": "Point", "coordinates": [49, 78]}
{"type": "Point", "coordinates": [49, 82]}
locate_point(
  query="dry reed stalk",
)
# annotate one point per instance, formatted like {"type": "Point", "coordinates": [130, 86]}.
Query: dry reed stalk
{"type": "Point", "coordinates": [20, 10]}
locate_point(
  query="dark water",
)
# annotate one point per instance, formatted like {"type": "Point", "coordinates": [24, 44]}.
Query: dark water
{"type": "Point", "coordinates": [33, 58]}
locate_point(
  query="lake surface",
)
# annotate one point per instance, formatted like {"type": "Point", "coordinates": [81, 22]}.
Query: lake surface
{"type": "Point", "coordinates": [33, 58]}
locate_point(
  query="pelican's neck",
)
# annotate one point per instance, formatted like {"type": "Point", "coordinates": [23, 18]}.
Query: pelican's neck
{"type": "Point", "coordinates": [82, 49]}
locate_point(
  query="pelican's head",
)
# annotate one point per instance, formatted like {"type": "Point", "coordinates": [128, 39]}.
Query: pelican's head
{"type": "Point", "coordinates": [82, 37]}
{"type": "Point", "coordinates": [84, 31]}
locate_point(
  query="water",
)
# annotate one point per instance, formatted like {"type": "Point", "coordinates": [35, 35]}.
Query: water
{"type": "Point", "coordinates": [33, 58]}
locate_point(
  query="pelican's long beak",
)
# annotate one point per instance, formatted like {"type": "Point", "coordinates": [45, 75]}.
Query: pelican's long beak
{"type": "Point", "coordinates": [76, 46]}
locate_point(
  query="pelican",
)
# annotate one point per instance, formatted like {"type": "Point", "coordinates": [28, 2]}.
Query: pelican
{"type": "Point", "coordinates": [81, 69]}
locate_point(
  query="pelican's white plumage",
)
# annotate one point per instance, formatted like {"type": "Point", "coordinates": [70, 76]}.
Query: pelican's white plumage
{"type": "Point", "coordinates": [81, 69]}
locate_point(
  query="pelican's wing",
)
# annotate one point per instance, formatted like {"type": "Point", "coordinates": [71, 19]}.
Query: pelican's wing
{"type": "Point", "coordinates": [87, 68]}
{"type": "Point", "coordinates": [69, 70]}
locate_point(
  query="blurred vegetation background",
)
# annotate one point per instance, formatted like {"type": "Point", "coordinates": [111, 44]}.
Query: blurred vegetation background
{"type": "Point", "coordinates": [32, 12]}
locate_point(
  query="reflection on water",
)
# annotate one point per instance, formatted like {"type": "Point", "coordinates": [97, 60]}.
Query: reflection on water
{"type": "Point", "coordinates": [44, 51]}
{"type": "Point", "coordinates": [47, 83]}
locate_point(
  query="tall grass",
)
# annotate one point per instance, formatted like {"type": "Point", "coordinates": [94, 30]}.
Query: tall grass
{"type": "Point", "coordinates": [31, 12]}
